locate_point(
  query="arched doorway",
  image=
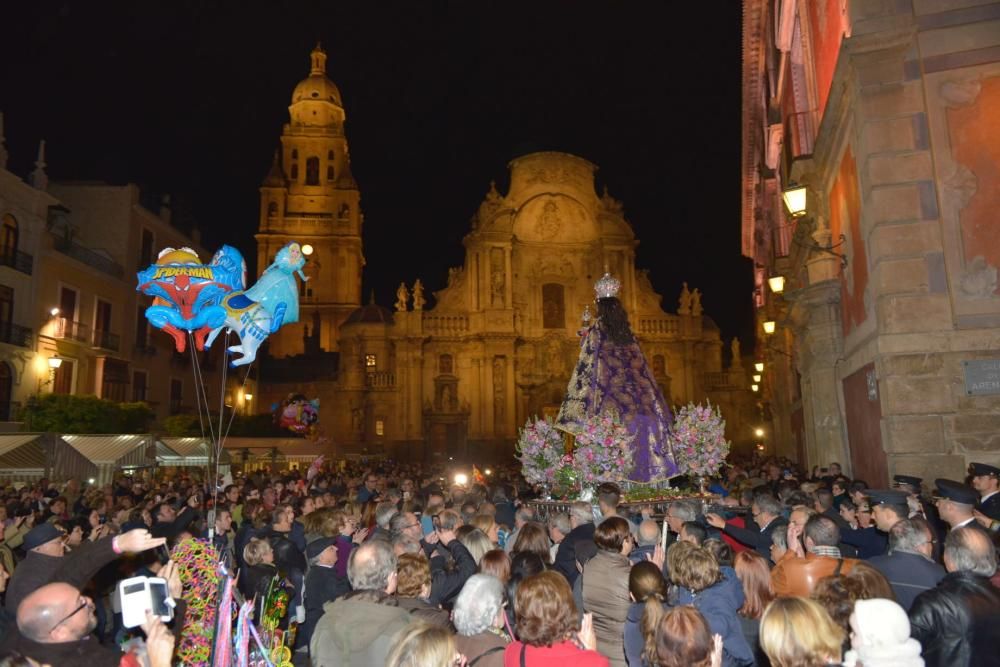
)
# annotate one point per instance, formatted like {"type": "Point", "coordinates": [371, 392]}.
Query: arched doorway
{"type": "Point", "coordinates": [6, 385]}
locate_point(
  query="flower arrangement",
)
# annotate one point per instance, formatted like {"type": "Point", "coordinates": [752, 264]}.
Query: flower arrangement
{"type": "Point", "coordinates": [540, 450]}
{"type": "Point", "coordinates": [699, 440]}
{"type": "Point", "coordinates": [603, 451]}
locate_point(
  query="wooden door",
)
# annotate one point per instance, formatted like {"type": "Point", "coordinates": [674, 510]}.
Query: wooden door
{"type": "Point", "coordinates": [864, 427]}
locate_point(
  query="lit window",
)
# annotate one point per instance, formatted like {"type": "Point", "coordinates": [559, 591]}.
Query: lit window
{"type": "Point", "coordinates": [370, 361]}
{"type": "Point", "coordinates": [379, 427]}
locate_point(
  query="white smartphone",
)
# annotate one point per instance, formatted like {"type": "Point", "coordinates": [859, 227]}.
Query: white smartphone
{"type": "Point", "coordinates": [139, 594]}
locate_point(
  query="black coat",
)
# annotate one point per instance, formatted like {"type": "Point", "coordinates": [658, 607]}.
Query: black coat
{"type": "Point", "coordinates": [908, 574]}
{"type": "Point", "coordinates": [76, 568]}
{"type": "Point", "coordinates": [322, 586]}
{"type": "Point", "coordinates": [446, 583]}
{"type": "Point", "coordinates": [958, 622]}
{"type": "Point", "coordinates": [244, 534]}
{"type": "Point", "coordinates": [287, 556]}
{"type": "Point", "coordinates": [869, 542]}
{"type": "Point", "coordinates": [566, 554]}
{"type": "Point", "coordinates": [991, 507]}
{"type": "Point", "coordinates": [751, 536]}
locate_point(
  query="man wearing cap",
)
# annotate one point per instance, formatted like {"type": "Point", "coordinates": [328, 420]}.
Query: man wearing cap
{"type": "Point", "coordinates": [322, 583]}
{"type": "Point", "coordinates": [47, 562]}
{"type": "Point", "coordinates": [955, 503]}
{"type": "Point", "coordinates": [986, 480]}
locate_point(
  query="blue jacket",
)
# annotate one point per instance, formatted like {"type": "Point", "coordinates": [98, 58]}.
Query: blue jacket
{"type": "Point", "coordinates": [870, 542]}
{"type": "Point", "coordinates": [634, 642]}
{"type": "Point", "coordinates": [719, 604]}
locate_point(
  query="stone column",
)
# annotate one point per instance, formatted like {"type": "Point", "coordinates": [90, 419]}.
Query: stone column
{"type": "Point", "coordinates": [819, 341]}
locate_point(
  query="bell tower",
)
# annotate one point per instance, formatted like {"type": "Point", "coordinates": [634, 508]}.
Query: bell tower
{"type": "Point", "coordinates": [310, 196]}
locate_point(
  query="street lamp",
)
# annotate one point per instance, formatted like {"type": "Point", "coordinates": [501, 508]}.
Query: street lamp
{"type": "Point", "coordinates": [54, 363]}
{"type": "Point", "coordinates": [754, 387]}
{"type": "Point", "coordinates": [756, 377]}
{"type": "Point", "coordinates": [795, 200]}
{"type": "Point", "coordinates": [777, 284]}
{"type": "Point", "coordinates": [759, 432]}
{"type": "Point", "coordinates": [759, 366]}
{"type": "Point", "coordinates": [307, 250]}
{"type": "Point", "coordinates": [769, 327]}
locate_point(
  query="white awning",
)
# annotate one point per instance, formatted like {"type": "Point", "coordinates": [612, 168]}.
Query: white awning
{"type": "Point", "coordinates": [123, 450]}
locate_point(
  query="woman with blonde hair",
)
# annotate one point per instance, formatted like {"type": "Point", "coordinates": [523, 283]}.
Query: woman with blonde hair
{"type": "Point", "coordinates": [796, 632]}
{"type": "Point", "coordinates": [477, 543]}
{"type": "Point", "coordinates": [421, 644]}
{"type": "Point", "coordinates": [489, 526]}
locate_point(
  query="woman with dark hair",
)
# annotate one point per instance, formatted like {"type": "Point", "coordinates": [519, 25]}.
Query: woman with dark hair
{"type": "Point", "coordinates": [522, 566]}
{"type": "Point", "coordinates": [648, 591]}
{"type": "Point", "coordinates": [549, 633]}
{"type": "Point", "coordinates": [532, 537]}
{"type": "Point", "coordinates": [605, 586]}
{"type": "Point", "coordinates": [612, 375]}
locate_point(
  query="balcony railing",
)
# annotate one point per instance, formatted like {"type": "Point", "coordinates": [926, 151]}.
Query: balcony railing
{"type": "Point", "coordinates": [15, 334]}
{"type": "Point", "coordinates": [106, 340]}
{"type": "Point", "coordinates": [380, 379]}
{"type": "Point", "coordinates": [17, 260]}
{"type": "Point", "coordinates": [145, 349]}
{"type": "Point", "coordinates": [446, 325]}
{"type": "Point", "coordinates": [67, 329]}
{"type": "Point", "coordinates": [90, 258]}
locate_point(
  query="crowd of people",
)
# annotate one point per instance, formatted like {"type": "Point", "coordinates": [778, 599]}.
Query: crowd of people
{"type": "Point", "coordinates": [394, 565]}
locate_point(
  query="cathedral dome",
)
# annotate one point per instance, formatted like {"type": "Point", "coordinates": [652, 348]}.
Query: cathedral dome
{"type": "Point", "coordinates": [370, 314]}
{"type": "Point", "coordinates": [317, 87]}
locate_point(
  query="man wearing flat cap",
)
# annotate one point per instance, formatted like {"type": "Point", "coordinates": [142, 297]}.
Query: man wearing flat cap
{"type": "Point", "coordinates": [986, 480]}
{"type": "Point", "coordinates": [955, 503]}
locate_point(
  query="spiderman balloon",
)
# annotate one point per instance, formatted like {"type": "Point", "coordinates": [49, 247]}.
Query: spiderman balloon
{"type": "Point", "coordinates": [187, 295]}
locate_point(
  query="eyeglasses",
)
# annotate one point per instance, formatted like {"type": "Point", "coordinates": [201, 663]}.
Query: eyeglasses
{"type": "Point", "coordinates": [84, 603]}
{"type": "Point", "coordinates": [410, 525]}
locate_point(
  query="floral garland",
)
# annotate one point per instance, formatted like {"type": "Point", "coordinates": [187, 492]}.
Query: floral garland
{"type": "Point", "coordinates": [603, 451]}
{"type": "Point", "coordinates": [540, 450]}
{"type": "Point", "coordinates": [197, 564]}
{"type": "Point", "coordinates": [699, 439]}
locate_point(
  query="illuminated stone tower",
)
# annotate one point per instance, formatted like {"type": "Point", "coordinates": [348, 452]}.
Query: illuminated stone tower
{"type": "Point", "coordinates": [310, 196]}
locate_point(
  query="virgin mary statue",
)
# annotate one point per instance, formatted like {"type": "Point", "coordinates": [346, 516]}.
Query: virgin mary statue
{"type": "Point", "coordinates": [612, 376]}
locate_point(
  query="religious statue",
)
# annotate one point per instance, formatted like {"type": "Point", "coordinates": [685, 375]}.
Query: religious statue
{"type": "Point", "coordinates": [402, 296]}
{"type": "Point", "coordinates": [696, 309]}
{"type": "Point", "coordinates": [612, 375]}
{"type": "Point", "coordinates": [684, 305]}
{"type": "Point", "coordinates": [418, 295]}
{"type": "Point", "coordinates": [446, 398]}
{"type": "Point", "coordinates": [737, 360]}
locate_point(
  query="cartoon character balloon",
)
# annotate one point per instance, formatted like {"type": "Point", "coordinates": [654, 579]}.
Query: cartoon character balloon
{"type": "Point", "coordinates": [258, 312]}
{"type": "Point", "coordinates": [298, 414]}
{"type": "Point", "coordinates": [187, 294]}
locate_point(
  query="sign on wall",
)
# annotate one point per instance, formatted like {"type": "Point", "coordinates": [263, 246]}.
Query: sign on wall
{"type": "Point", "coordinates": [982, 377]}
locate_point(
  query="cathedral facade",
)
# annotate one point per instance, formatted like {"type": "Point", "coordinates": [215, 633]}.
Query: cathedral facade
{"type": "Point", "coordinates": [455, 374]}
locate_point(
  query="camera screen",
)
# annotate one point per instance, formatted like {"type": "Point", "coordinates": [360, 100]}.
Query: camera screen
{"type": "Point", "coordinates": [158, 597]}
{"type": "Point", "coordinates": [133, 588]}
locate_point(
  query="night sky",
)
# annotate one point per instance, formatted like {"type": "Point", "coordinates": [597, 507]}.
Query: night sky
{"type": "Point", "coordinates": [188, 98]}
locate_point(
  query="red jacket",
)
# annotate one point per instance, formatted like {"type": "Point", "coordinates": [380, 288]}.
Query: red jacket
{"type": "Point", "coordinates": [557, 655]}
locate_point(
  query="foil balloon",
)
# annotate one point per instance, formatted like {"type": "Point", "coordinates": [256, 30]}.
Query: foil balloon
{"type": "Point", "coordinates": [262, 309]}
{"type": "Point", "coordinates": [187, 294]}
{"type": "Point", "coordinates": [298, 414]}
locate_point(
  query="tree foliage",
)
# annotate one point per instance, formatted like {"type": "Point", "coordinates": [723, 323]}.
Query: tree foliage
{"type": "Point", "coordinates": [189, 425]}
{"type": "Point", "coordinates": [60, 413]}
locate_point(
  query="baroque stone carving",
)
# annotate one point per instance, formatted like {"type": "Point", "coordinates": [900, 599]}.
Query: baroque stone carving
{"type": "Point", "coordinates": [980, 279]}
{"type": "Point", "coordinates": [684, 303]}
{"type": "Point", "coordinates": [696, 309]}
{"type": "Point", "coordinates": [402, 297]}
{"type": "Point", "coordinates": [498, 283]}
{"type": "Point", "coordinates": [418, 295]}
{"type": "Point", "coordinates": [499, 393]}
{"type": "Point", "coordinates": [960, 92]}
{"type": "Point", "coordinates": [610, 204]}
{"type": "Point", "coordinates": [960, 186]}
{"type": "Point", "coordinates": [549, 223]}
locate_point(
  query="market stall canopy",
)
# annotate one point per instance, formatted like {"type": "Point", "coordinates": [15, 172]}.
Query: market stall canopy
{"type": "Point", "coordinates": [115, 452]}
{"type": "Point", "coordinates": [31, 456]}
{"type": "Point", "coordinates": [189, 452]}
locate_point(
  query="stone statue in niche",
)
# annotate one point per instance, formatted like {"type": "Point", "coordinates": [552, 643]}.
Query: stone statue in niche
{"type": "Point", "coordinates": [553, 306]}
{"type": "Point", "coordinates": [548, 222]}
{"type": "Point", "coordinates": [418, 295]}
{"type": "Point", "coordinates": [454, 275]}
{"type": "Point", "coordinates": [344, 212]}
{"type": "Point", "coordinates": [497, 281]}
{"type": "Point", "coordinates": [446, 398]}
{"type": "Point", "coordinates": [684, 303]}
{"type": "Point", "coordinates": [402, 297]}
{"type": "Point", "coordinates": [696, 309]}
